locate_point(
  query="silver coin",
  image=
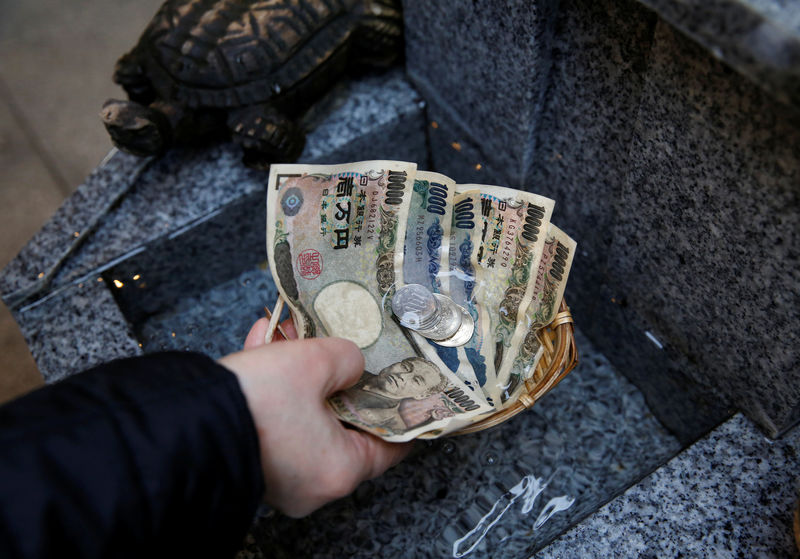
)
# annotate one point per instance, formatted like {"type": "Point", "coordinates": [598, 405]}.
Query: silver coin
{"type": "Point", "coordinates": [464, 332]}
{"type": "Point", "coordinates": [432, 315]}
{"type": "Point", "coordinates": [448, 319]}
{"type": "Point", "coordinates": [416, 307]}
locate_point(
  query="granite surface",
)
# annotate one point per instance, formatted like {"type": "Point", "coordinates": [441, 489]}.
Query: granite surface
{"type": "Point", "coordinates": [707, 229]}
{"type": "Point", "coordinates": [482, 68]}
{"type": "Point", "coordinates": [760, 39]}
{"type": "Point", "coordinates": [731, 495]}
{"type": "Point", "coordinates": [583, 161]}
{"type": "Point", "coordinates": [501, 493]}
{"type": "Point", "coordinates": [582, 141]}
{"type": "Point", "coordinates": [75, 328]}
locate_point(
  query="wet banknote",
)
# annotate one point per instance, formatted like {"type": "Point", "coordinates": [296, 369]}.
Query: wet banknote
{"type": "Point", "coordinates": [509, 238]}
{"type": "Point", "coordinates": [459, 283]}
{"type": "Point", "coordinates": [427, 238]}
{"type": "Point", "coordinates": [465, 360]}
{"type": "Point", "coordinates": [332, 238]}
{"type": "Point", "coordinates": [426, 258]}
{"type": "Point", "coordinates": [548, 290]}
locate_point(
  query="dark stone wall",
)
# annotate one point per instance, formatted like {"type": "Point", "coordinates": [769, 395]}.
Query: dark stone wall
{"type": "Point", "coordinates": [706, 240]}
{"type": "Point", "coordinates": [483, 69]}
{"type": "Point", "coordinates": [677, 176]}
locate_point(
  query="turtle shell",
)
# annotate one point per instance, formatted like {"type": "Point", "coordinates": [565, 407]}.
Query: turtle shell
{"type": "Point", "coordinates": [228, 53]}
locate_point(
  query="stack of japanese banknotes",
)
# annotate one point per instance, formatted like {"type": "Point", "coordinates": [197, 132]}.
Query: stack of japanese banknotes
{"type": "Point", "coordinates": [342, 239]}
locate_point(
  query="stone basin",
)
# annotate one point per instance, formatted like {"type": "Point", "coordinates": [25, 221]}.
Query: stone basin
{"type": "Point", "coordinates": [161, 254]}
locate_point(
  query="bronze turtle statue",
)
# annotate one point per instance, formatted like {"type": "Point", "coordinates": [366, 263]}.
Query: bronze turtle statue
{"type": "Point", "coordinates": [206, 69]}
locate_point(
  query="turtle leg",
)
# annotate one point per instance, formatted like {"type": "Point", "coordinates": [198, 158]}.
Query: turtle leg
{"type": "Point", "coordinates": [135, 128]}
{"type": "Point", "coordinates": [266, 135]}
{"type": "Point", "coordinates": [130, 74]}
{"type": "Point", "coordinates": [379, 35]}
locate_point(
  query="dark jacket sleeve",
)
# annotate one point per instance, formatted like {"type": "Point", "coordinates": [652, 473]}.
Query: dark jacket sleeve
{"type": "Point", "coordinates": [152, 456]}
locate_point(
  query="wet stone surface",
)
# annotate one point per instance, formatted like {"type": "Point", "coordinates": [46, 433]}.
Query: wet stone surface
{"type": "Point", "coordinates": [215, 322]}
{"type": "Point", "coordinates": [732, 494]}
{"type": "Point", "coordinates": [505, 492]}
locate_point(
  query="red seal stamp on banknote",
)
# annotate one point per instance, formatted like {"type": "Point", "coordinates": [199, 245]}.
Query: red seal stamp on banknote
{"type": "Point", "coordinates": [309, 264]}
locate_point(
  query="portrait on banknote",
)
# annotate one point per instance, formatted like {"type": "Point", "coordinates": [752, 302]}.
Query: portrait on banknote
{"type": "Point", "coordinates": [403, 396]}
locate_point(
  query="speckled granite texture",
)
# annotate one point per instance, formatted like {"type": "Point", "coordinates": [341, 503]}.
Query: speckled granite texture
{"type": "Point", "coordinates": [759, 38]}
{"type": "Point", "coordinates": [581, 160]}
{"type": "Point", "coordinates": [75, 328]}
{"type": "Point", "coordinates": [587, 440]}
{"type": "Point", "coordinates": [482, 68]}
{"type": "Point", "coordinates": [730, 495]}
{"type": "Point", "coordinates": [708, 224]}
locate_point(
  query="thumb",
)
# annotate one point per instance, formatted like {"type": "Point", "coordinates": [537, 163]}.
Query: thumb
{"type": "Point", "coordinates": [334, 363]}
{"type": "Point", "coordinates": [255, 338]}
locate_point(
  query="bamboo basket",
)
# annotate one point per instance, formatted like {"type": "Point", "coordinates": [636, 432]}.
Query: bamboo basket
{"type": "Point", "coordinates": [559, 358]}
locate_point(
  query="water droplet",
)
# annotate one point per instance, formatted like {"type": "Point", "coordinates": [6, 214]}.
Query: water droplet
{"type": "Point", "coordinates": [490, 458]}
{"type": "Point", "coordinates": [448, 447]}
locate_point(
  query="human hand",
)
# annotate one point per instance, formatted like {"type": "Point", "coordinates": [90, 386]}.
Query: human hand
{"type": "Point", "coordinates": [308, 456]}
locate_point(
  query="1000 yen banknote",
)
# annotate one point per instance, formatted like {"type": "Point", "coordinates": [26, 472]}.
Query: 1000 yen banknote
{"type": "Point", "coordinates": [551, 280]}
{"type": "Point", "coordinates": [508, 244]}
{"type": "Point", "coordinates": [426, 259]}
{"type": "Point", "coordinates": [427, 238]}
{"type": "Point", "coordinates": [332, 237]}
{"type": "Point", "coordinates": [464, 360]}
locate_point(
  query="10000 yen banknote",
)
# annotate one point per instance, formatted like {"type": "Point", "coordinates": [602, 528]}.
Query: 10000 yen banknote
{"type": "Point", "coordinates": [406, 400]}
{"type": "Point", "coordinates": [548, 290]}
{"type": "Point", "coordinates": [332, 233]}
{"type": "Point", "coordinates": [508, 243]}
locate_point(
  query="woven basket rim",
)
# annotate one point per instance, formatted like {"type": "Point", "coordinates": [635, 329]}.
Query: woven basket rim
{"type": "Point", "coordinates": [561, 357]}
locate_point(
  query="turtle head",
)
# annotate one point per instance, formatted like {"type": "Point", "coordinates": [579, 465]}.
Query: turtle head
{"type": "Point", "coordinates": [135, 128]}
